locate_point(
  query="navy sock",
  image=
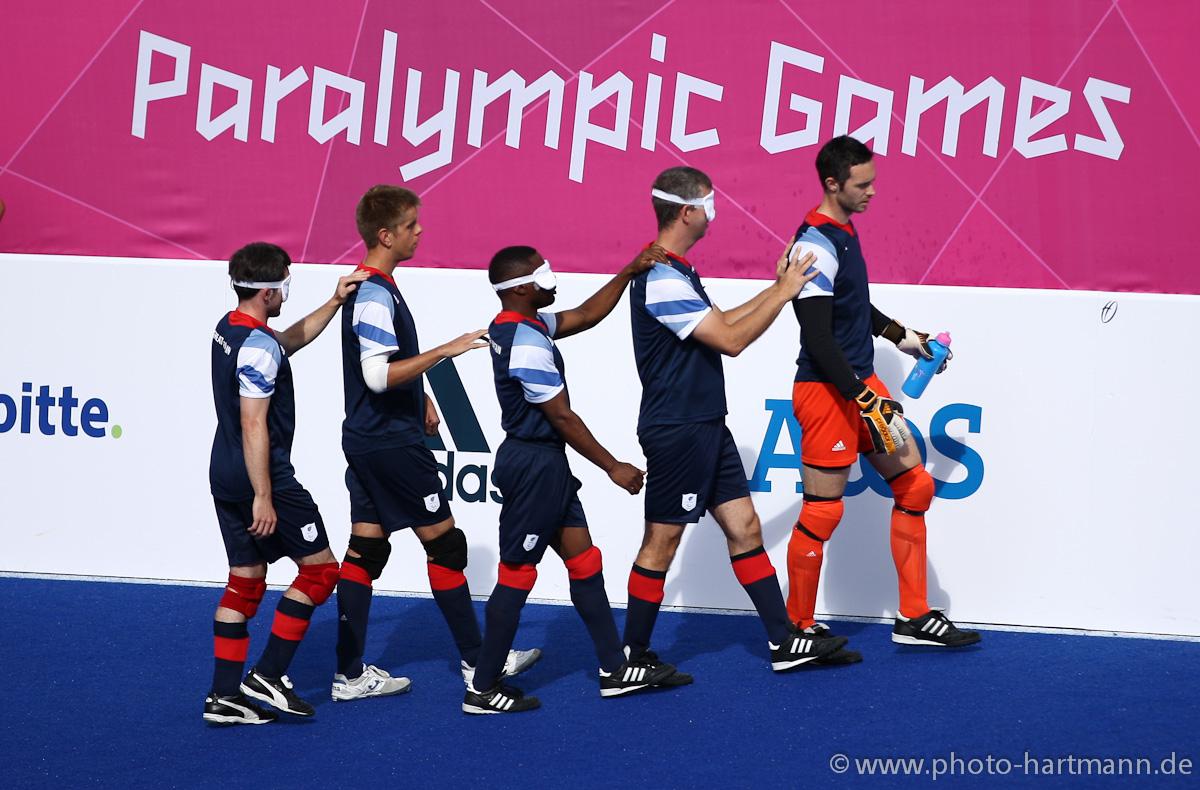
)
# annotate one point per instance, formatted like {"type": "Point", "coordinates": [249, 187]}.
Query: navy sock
{"type": "Point", "coordinates": [230, 643]}
{"type": "Point", "coordinates": [354, 607]}
{"type": "Point", "coordinates": [645, 598]}
{"type": "Point", "coordinates": [503, 614]}
{"type": "Point", "coordinates": [287, 629]}
{"type": "Point", "coordinates": [757, 575]}
{"type": "Point", "coordinates": [591, 601]}
{"type": "Point", "coordinates": [458, 609]}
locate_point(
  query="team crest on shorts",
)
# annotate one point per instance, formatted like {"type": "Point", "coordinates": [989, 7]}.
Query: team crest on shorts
{"type": "Point", "coordinates": [431, 503]}
{"type": "Point", "coordinates": [688, 501]}
{"type": "Point", "coordinates": [309, 531]}
{"type": "Point", "coordinates": [530, 542]}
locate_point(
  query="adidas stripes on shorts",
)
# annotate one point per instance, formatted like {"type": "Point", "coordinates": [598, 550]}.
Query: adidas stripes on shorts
{"type": "Point", "coordinates": [832, 429]}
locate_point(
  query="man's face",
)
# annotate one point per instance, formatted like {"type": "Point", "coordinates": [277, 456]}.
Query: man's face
{"type": "Point", "coordinates": [274, 297]}
{"type": "Point", "coordinates": [541, 298]}
{"type": "Point", "coordinates": [405, 235]}
{"type": "Point", "coordinates": [854, 195]}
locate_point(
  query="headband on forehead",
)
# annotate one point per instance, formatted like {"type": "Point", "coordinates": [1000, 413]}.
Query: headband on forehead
{"type": "Point", "coordinates": [282, 285]}
{"type": "Point", "coordinates": [543, 277]}
{"type": "Point", "coordinates": [707, 202]}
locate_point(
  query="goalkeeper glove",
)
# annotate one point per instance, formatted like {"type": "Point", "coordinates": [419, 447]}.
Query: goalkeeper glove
{"type": "Point", "coordinates": [885, 421]}
{"type": "Point", "coordinates": [911, 342]}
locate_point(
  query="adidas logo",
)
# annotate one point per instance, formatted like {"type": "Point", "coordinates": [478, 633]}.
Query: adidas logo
{"type": "Point", "coordinates": [811, 554]}
{"type": "Point", "coordinates": [839, 447]}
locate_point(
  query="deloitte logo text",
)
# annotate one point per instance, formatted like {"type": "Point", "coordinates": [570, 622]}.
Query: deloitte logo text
{"type": "Point", "coordinates": [48, 414]}
{"type": "Point", "coordinates": [471, 482]}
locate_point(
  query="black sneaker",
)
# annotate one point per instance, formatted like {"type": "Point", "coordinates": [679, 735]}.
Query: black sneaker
{"type": "Point", "coordinates": [235, 709]}
{"type": "Point", "coordinates": [501, 699]}
{"type": "Point", "coordinates": [634, 675]}
{"type": "Point", "coordinates": [800, 648]}
{"type": "Point", "coordinates": [276, 692]}
{"type": "Point", "coordinates": [840, 658]}
{"type": "Point", "coordinates": [674, 680]}
{"type": "Point", "coordinates": [932, 628]}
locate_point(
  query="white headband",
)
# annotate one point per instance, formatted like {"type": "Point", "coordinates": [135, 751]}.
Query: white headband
{"type": "Point", "coordinates": [543, 277]}
{"type": "Point", "coordinates": [707, 202]}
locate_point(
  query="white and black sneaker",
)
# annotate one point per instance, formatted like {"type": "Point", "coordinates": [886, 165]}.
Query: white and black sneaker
{"type": "Point", "coordinates": [517, 662]}
{"type": "Point", "coordinates": [636, 674]}
{"type": "Point", "coordinates": [800, 648]}
{"type": "Point", "coordinates": [932, 628]}
{"type": "Point", "coordinates": [276, 692]}
{"type": "Point", "coordinates": [501, 699]}
{"type": "Point", "coordinates": [839, 658]}
{"type": "Point", "coordinates": [373, 682]}
{"type": "Point", "coordinates": [235, 709]}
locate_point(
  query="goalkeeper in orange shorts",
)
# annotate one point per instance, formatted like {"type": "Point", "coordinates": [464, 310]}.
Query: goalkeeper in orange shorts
{"type": "Point", "coordinates": [844, 409]}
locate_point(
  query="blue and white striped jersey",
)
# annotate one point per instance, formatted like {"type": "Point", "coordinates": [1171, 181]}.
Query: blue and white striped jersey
{"type": "Point", "coordinates": [528, 371]}
{"type": "Point", "coordinates": [843, 278]}
{"type": "Point", "coordinates": [376, 321]}
{"type": "Point", "coordinates": [248, 362]}
{"type": "Point", "coordinates": [682, 379]}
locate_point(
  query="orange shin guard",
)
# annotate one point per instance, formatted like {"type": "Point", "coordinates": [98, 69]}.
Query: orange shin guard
{"type": "Point", "coordinates": [819, 517]}
{"type": "Point", "coordinates": [913, 493]}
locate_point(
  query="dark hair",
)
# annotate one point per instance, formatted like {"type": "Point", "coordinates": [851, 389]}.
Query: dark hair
{"type": "Point", "coordinates": [510, 262]}
{"type": "Point", "coordinates": [687, 183]}
{"type": "Point", "coordinates": [382, 207]}
{"type": "Point", "coordinates": [257, 262]}
{"type": "Point", "coordinates": [837, 156]}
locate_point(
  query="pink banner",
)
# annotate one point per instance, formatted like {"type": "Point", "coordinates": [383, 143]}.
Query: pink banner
{"type": "Point", "coordinates": [1027, 144]}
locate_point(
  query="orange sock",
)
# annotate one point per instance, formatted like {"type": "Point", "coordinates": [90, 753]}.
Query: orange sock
{"type": "Point", "coordinates": [913, 492]}
{"type": "Point", "coordinates": [819, 517]}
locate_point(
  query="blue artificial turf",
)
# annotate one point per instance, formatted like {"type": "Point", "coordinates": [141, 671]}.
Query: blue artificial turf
{"type": "Point", "coordinates": [106, 683]}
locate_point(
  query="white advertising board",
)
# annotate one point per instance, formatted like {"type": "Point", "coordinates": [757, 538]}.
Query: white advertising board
{"type": "Point", "coordinates": [1064, 479]}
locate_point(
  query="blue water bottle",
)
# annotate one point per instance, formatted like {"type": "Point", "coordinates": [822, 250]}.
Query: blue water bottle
{"type": "Point", "coordinates": [925, 369]}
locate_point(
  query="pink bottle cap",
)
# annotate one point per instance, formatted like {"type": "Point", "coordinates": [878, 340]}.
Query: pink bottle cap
{"type": "Point", "coordinates": [944, 339]}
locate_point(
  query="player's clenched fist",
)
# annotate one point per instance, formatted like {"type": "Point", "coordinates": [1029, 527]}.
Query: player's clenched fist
{"type": "Point", "coordinates": [885, 421]}
{"type": "Point", "coordinates": [627, 476]}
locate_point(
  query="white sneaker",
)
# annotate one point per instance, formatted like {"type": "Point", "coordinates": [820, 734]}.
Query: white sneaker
{"type": "Point", "coordinates": [373, 682]}
{"type": "Point", "coordinates": [517, 662]}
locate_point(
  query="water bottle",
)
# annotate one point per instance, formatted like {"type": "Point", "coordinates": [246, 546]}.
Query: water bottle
{"type": "Point", "coordinates": [925, 369]}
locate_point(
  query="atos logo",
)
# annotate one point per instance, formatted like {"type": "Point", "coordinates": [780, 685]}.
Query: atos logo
{"type": "Point", "coordinates": [470, 481]}
{"type": "Point", "coordinates": [46, 413]}
{"type": "Point", "coordinates": [769, 456]}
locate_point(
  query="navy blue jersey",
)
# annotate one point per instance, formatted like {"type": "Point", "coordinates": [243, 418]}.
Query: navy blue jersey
{"type": "Point", "coordinates": [528, 370]}
{"type": "Point", "coordinates": [248, 362]}
{"type": "Point", "coordinates": [682, 379]}
{"type": "Point", "coordinates": [376, 321]}
{"type": "Point", "coordinates": [844, 277]}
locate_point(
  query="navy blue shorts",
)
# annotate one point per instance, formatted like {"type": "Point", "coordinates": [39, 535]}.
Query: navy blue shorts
{"type": "Point", "coordinates": [299, 532]}
{"type": "Point", "coordinates": [690, 468]}
{"type": "Point", "coordinates": [540, 495]}
{"type": "Point", "coordinates": [396, 488]}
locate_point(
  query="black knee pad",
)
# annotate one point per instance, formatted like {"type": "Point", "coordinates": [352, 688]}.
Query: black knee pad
{"type": "Point", "coordinates": [373, 554]}
{"type": "Point", "coordinates": [449, 550]}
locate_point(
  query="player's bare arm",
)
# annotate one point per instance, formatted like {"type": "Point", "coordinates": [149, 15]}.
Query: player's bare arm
{"type": "Point", "coordinates": [574, 432]}
{"type": "Point", "coordinates": [256, 448]}
{"type": "Point", "coordinates": [403, 371]}
{"type": "Point", "coordinates": [601, 303]}
{"type": "Point", "coordinates": [731, 338]}
{"type": "Point", "coordinates": [306, 330]}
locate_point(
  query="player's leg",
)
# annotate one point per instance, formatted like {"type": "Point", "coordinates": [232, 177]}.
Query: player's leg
{"type": "Point", "coordinates": [619, 675]}
{"type": "Point", "coordinates": [647, 581]}
{"type": "Point", "coordinates": [912, 492]}
{"type": "Point", "coordinates": [829, 444]}
{"type": "Point", "coordinates": [239, 602]}
{"type": "Point", "coordinates": [446, 552]}
{"type": "Point", "coordinates": [820, 514]}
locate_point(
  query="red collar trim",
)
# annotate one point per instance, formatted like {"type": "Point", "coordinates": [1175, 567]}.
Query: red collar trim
{"type": "Point", "coordinates": [362, 267]}
{"type": "Point", "coordinates": [673, 256]}
{"type": "Point", "coordinates": [815, 218]}
{"type": "Point", "coordinates": [513, 317]}
{"type": "Point", "coordinates": [238, 318]}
